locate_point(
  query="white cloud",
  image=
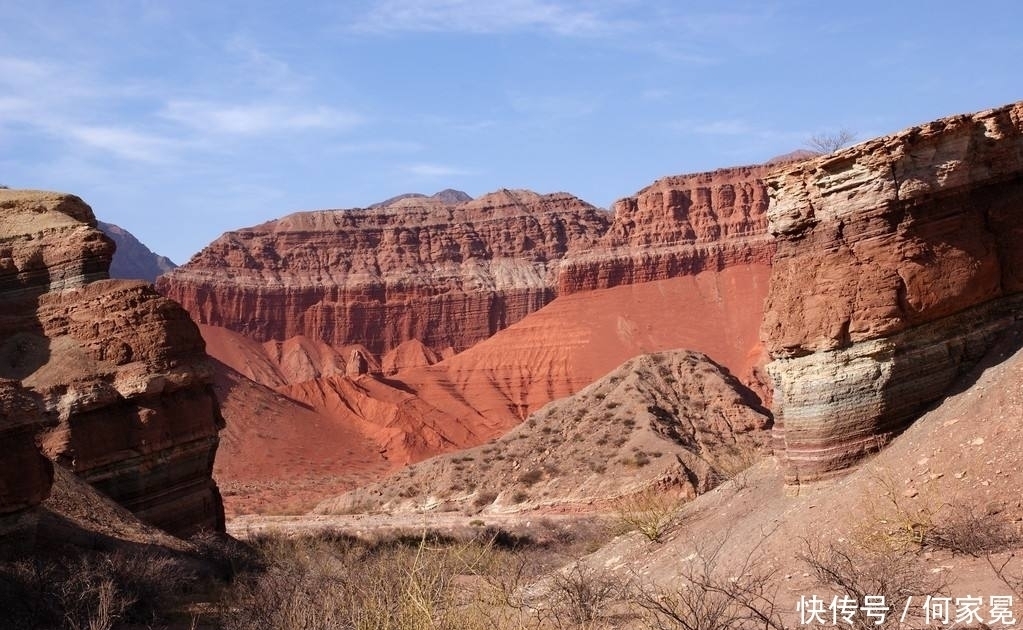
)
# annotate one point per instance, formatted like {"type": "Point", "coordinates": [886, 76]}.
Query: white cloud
{"type": "Point", "coordinates": [473, 16]}
{"type": "Point", "coordinates": [256, 118]}
{"type": "Point", "coordinates": [122, 142]}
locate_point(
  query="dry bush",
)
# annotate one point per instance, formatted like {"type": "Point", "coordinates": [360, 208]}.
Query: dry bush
{"type": "Point", "coordinates": [329, 581]}
{"type": "Point", "coordinates": [652, 512]}
{"type": "Point", "coordinates": [582, 595]}
{"type": "Point", "coordinates": [894, 575]}
{"type": "Point", "coordinates": [897, 523]}
{"type": "Point", "coordinates": [711, 596]}
{"type": "Point", "coordinates": [93, 590]}
{"type": "Point", "coordinates": [824, 143]}
{"type": "Point", "coordinates": [731, 462]}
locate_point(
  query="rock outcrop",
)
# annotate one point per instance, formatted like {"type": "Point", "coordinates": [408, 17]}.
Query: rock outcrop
{"type": "Point", "coordinates": [898, 265]}
{"type": "Point", "coordinates": [119, 371]}
{"type": "Point", "coordinates": [679, 225]}
{"type": "Point", "coordinates": [25, 474]}
{"type": "Point", "coordinates": [132, 259]}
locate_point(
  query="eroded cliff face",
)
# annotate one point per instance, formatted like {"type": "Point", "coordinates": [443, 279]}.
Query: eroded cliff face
{"type": "Point", "coordinates": [447, 275]}
{"type": "Point", "coordinates": [119, 371]}
{"type": "Point", "coordinates": [451, 275]}
{"type": "Point", "coordinates": [679, 225]}
{"type": "Point", "coordinates": [899, 263]}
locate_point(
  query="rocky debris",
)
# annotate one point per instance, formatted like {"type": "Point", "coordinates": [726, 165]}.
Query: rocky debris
{"type": "Point", "coordinates": [132, 259]}
{"type": "Point", "coordinates": [120, 371]}
{"type": "Point", "coordinates": [898, 265]}
{"type": "Point", "coordinates": [674, 420]}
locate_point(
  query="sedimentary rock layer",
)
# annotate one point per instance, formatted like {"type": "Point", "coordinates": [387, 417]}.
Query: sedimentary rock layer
{"type": "Point", "coordinates": [120, 371]}
{"type": "Point", "coordinates": [451, 275]}
{"type": "Point", "coordinates": [679, 225]}
{"type": "Point", "coordinates": [415, 269]}
{"type": "Point", "coordinates": [898, 263]}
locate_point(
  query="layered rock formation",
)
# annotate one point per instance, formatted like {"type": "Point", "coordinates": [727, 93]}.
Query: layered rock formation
{"type": "Point", "coordinates": [679, 225]}
{"type": "Point", "coordinates": [132, 259]}
{"type": "Point", "coordinates": [673, 420]}
{"type": "Point", "coordinates": [898, 264]}
{"type": "Point", "coordinates": [450, 275]}
{"type": "Point", "coordinates": [415, 269]}
{"type": "Point", "coordinates": [120, 371]}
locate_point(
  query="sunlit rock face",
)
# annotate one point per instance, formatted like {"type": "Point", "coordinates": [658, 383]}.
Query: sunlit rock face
{"type": "Point", "coordinates": [118, 372]}
{"type": "Point", "coordinates": [899, 261]}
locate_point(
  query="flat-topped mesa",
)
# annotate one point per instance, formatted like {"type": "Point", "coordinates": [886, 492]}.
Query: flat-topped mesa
{"type": "Point", "coordinates": [119, 371]}
{"type": "Point", "coordinates": [899, 262]}
{"type": "Point", "coordinates": [419, 268]}
{"type": "Point", "coordinates": [679, 225]}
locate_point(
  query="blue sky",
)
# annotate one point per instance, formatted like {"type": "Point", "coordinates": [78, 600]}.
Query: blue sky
{"type": "Point", "coordinates": [180, 120]}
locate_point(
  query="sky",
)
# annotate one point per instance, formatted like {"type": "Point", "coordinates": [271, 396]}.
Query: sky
{"type": "Point", "coordinates": [179, 120]}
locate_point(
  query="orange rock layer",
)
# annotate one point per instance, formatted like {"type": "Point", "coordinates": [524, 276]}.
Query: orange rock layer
{"type": "Point", "coordinates": [898, 265]}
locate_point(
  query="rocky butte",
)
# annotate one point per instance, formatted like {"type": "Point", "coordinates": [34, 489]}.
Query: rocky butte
{"type": "Point", "coordinates": [116, 373]}
{"type": "Point", "coordinates": [898, 266]}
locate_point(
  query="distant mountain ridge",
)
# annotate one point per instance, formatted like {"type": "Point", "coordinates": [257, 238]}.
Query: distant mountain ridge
{"type": "Point", "coordinates": [132, 259]}
{"type": "Point", "coordinates": [448, 196]}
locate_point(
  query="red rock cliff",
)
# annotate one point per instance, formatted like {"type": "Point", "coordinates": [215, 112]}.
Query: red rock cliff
{"type": "Point", "coordinates": [899, 262]}
{"type": "Point", "coordinates": [453, 275]}
{"type": "Point", "coordinates": [415, 269]}
{"type": "Point", "coordinates": [677, 226]}
{"type": "Point", "coordinates": [119, 370]}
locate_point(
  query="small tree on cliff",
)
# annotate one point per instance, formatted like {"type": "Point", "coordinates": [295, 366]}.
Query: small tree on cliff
{"type": "Point", "coordinates": [824, 143]}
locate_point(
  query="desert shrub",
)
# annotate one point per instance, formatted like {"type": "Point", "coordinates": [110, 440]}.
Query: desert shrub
{"type": "Point", "coordinates": [93, 590]}
{"type": "Point", "coordinates": [530, 477]}
{"type": "Point", "coordinates": [581, 595]}
{"type": "Point", "coordinates": [858, 572]}
{"type": "Point", "coordinates": [712, 596]}
{"type": "Point", "coordinates": [484, 499]}
{"type": "Point", "coordinates": [898, 522]}
{"type": "Point", "coordinates": [406, 583]}
{"type": "Point", "coordinates": [651, 512]}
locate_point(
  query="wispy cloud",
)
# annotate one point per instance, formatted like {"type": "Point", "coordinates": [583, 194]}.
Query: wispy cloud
{"type": "Point", "coordinates": [257, 118]}
{"type": "Point", "coordinates": [436, 170]}
{"type": "Point", "coordinates": [122, 142]}
{"type": "Point", "coordinates": [472, 16]}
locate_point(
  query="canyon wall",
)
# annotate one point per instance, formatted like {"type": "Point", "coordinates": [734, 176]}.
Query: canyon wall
{"type": "Point", "coordinates": [118, 372]}
{"type": "Point", "coordinates": [678, 226]}
{"type": "Point", "coordinates": [898, 264]}
{"type": "Point", "coordinates": [447, 275]}
{"type": "Point", "coordinates": [451, 274]}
